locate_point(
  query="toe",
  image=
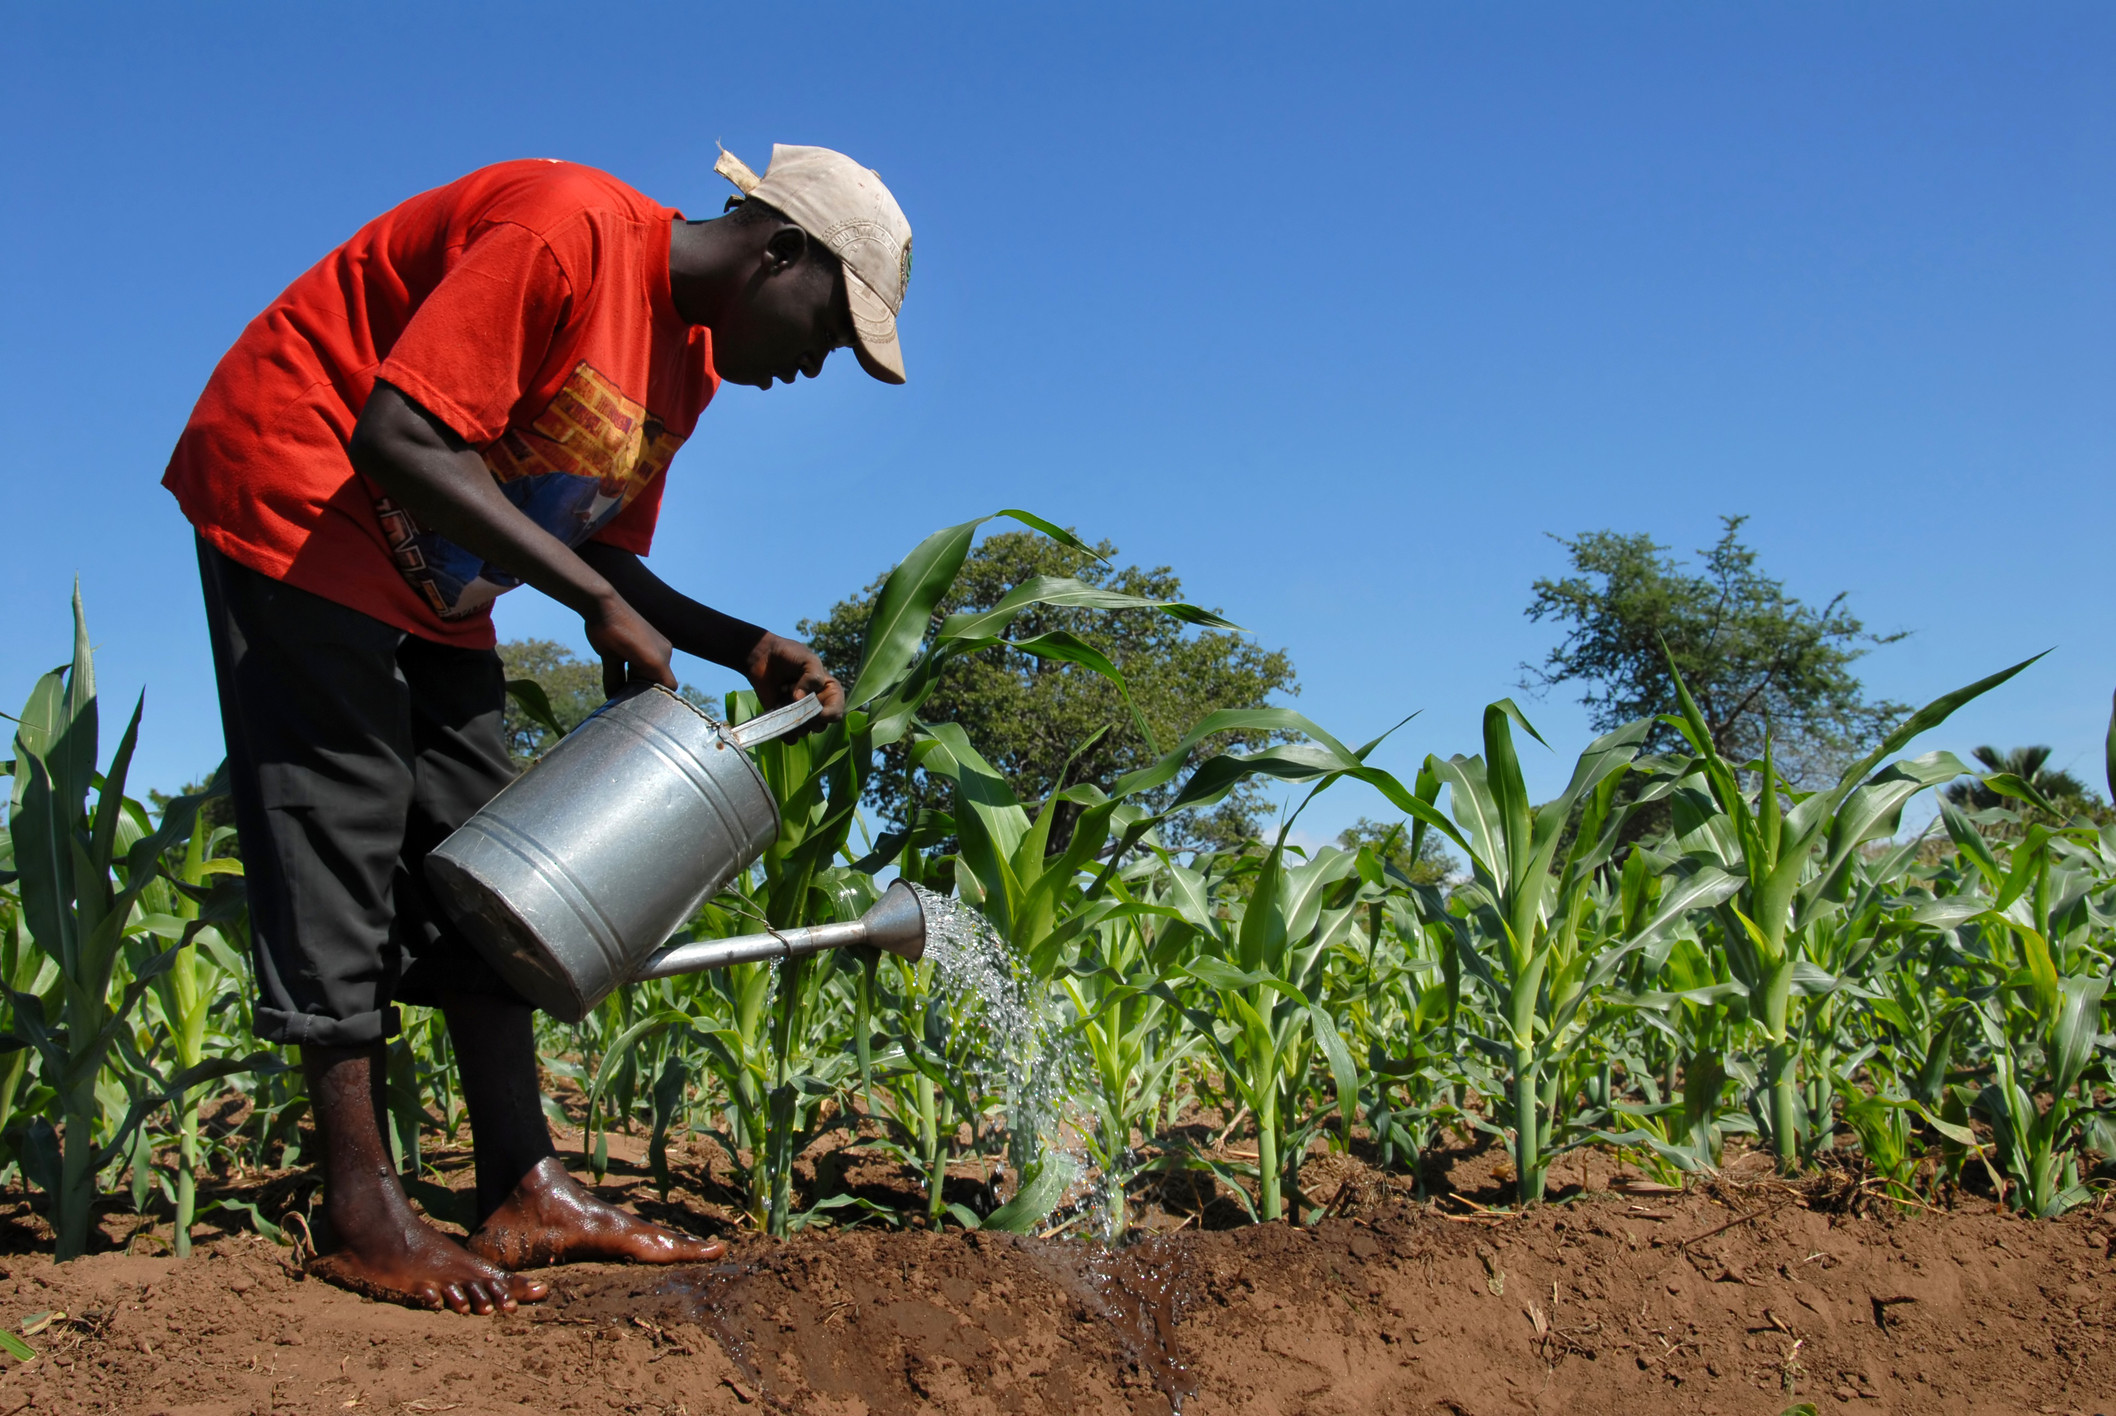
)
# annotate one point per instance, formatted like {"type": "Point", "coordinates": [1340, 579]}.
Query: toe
{"type": "Point", "coordinates": [456, 1299]}
{"type": "Point", "coordinates": [691, 1247]}
{"type": "Point", "coordinates": [673, 1246]}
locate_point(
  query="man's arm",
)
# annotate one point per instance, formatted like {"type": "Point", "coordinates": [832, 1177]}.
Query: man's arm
{"type": "Point", "coordinates": [780, 669]}
{"type": "Point", "coordinates": [423, 466]}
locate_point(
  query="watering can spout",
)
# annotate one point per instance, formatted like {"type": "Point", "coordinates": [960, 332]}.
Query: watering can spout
{"type": "Point", "coordinates": [896, 923]}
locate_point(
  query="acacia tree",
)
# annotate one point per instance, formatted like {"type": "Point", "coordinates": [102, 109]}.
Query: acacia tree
{"type": "Point", "coordinates": [1049, 725]}
{"type": "Point", "coordinates": [1756, 659]}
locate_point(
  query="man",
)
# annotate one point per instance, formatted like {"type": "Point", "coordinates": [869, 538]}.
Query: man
{"type": "Point", "coordinates": [482, 388]}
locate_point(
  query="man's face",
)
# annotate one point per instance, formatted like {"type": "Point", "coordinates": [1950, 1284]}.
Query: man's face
{"type": "Point", "coordinates": [789, 315]}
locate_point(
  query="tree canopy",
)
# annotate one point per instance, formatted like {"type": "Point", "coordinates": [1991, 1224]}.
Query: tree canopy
{"type": "Point", "coordinates": [572, 684]}
{"type": "Point", "coordinates": [1391, 841]}
{"type": "Point", "coordinates": [1037, 720]}
{"type": "Point", "coordinates": [1756, 658]}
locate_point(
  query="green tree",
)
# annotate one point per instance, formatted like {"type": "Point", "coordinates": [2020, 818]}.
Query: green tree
{"type": "Point", "coordinates": [572, 685]}
{"type": "Point", "coordinates": [1756, 659]}
{"type": "Point", "coordinates": [1038, 720]}
{"type": "Point", "coordinates": [1391, 841]}
{"type": "Point", "coordinates": [218, 810]}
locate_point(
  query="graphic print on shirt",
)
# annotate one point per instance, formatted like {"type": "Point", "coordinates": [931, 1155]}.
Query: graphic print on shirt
{"type": "Point", "coordinates": [585, 458]}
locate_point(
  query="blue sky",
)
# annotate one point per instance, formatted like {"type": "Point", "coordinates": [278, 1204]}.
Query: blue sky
{"type": "Point", "coordinates": [1339, 311]}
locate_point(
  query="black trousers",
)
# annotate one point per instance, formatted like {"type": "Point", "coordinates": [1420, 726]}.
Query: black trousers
{"type": "Point", "coordinates": [353, 750]}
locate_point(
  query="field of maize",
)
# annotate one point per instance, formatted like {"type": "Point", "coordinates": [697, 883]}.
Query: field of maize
{"type": "Point", "coordinates": [1922, 1017]}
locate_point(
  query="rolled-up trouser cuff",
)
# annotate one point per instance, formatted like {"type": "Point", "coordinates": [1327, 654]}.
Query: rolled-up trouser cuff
{"type": "Point", "coordinates": [315, 1030]}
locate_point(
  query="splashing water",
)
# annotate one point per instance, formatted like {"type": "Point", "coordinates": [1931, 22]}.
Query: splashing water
{"type": "Point", "coordinates": [1022, 1048]}
{"type": "Point", "coordinates": [1019, 1044]}
{"type": "Point", "coordinates": [1024, 1035]}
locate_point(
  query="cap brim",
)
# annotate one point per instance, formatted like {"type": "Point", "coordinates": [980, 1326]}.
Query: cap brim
{"type": "Point", "coordinates": [874, 329]}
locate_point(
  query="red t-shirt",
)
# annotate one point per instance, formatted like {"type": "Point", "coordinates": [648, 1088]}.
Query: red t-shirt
{"type": "Point", "coordinates": [527, 306]}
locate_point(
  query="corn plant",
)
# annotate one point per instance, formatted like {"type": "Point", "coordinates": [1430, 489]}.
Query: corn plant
{"type": "Point", "coordinates": [737, 1041]}
{"type": "Point", "coordinates": [1407, 1010]}
{"type": "Point", "coordinates": [1835, 945]}
{"type": "Point", "coordinates": [1003, 865]}
{"type": "Point", "coordinates": [2039, 1011]}
{"type": "Point", "coordinates": [1258, 975]}
{"type": "Point", "coordinates": [23, 970]}
{"type": "Point", "coordinates": [647, 1041]}
{"type": "Point", "coordinates": [1789, 865]}
{"type": "Point", "coordinates": [187, 992]}
{"type": "Point", "coordinates": [80, 900]}
{"type": "Point", "coordinates": [818, 779]}
{"type": "Point", "coordinates": [1136, 1049]}
{"type": "Point", "coordinates": [925, 1087]}
{"type": "Point", "coordinates": [1522, 929]}
{"type": "Point", "coordinates": [1883, 1122]}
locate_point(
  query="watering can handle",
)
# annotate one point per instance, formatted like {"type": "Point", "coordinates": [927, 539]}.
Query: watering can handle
{"type": "Point", "coordinates": [776, 723]}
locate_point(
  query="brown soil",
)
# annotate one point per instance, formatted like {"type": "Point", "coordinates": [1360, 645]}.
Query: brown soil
{"type": "Point", "coordinates": [1743, 1300]}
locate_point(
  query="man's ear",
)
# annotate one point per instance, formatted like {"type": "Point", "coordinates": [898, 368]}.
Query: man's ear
{"type": "Point", "coordinates": [785, 248]}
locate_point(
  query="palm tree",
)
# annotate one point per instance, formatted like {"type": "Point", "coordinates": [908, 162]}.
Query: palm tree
{"type": "Point", "coordinates": [2030, 764]}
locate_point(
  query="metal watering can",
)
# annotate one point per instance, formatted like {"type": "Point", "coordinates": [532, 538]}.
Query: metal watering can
{"type": "Point", "coordinates": [572, 878]}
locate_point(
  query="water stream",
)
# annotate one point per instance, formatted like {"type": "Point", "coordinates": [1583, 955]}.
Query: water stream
{"type": "Point", "coordinates": [1024, 1049]}
{"type": "Point", "coordinates": [1018, 1046]}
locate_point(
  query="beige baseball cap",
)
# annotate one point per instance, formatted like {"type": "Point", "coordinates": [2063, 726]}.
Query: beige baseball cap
{"type": "Point", "coordinates": [846, 207]}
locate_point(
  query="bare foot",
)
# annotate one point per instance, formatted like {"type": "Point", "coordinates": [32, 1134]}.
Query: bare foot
{"type": "Point", "coordinates": [420, 1267]}
{"type": "Point", "coordinates": [550, 1219]}
{"type": "Point", "coordinates": [383, 1249]}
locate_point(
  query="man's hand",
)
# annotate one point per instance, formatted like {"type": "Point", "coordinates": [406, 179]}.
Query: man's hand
{"type": "Point", "coordinates": [632, 650]}
{"type": "Point", "coordinates": [782, 670]}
